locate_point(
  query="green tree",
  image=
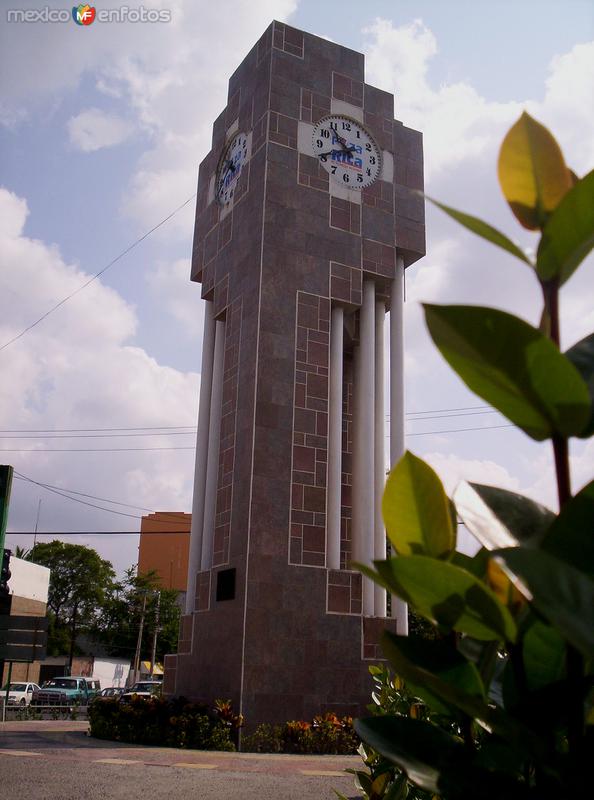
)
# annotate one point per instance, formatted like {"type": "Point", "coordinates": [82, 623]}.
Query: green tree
{"type": "Point", "coordinates": [512, 668]}
{"type": "Point", "coordinates": [118, 625]}
{"type": "Point", "coordinates": [80, 582]}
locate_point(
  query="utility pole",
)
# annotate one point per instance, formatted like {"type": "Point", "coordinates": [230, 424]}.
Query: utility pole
{"type": "Point", "coordinates": [139, 641]}
{"type": "Point", "coordinates": [5, 598]}
{"type": "Point", "coordinates": [155, 633]}
{"type": "Point", "coordinates": [37, 523]}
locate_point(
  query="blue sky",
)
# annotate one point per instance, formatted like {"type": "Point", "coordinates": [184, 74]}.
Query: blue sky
{"type": "Point", "coordinates": [101, 133]}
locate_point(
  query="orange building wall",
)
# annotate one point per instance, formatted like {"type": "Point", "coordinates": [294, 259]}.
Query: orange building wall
{"type": "Point", "coordinates": [163, 551]}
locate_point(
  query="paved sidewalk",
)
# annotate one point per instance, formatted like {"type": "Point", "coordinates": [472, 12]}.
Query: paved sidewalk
{"type": "Point", "coordinates": [67, 762]}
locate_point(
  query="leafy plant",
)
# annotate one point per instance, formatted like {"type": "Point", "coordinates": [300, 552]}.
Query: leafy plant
{"type": "Point", "coordinates": [507, 682]}
{"type": "Point", "coordinates": [381, 779]}
{"type": "Point", "coordinates": [325, 734]}
{"type": "Point", "coordinates": [165, 723]}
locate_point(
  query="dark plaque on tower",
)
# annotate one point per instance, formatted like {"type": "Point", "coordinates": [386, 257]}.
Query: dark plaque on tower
{"type": "Point", "coordinates": [305, 223]}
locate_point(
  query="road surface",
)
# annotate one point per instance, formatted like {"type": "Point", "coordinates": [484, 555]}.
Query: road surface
{"type": "Point", "coordinates": [47, 760]}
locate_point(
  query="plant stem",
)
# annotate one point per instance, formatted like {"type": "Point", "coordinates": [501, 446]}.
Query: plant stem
{"type": "Point", "coordinates": [561, 453]}
{"type": "Point", "coordinates": [575, 661]}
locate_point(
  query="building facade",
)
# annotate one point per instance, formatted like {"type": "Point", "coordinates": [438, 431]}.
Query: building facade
{"type": "Point", "coordinates": [164, 547]}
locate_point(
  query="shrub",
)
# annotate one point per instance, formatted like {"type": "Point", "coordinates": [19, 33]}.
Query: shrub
{"type": "Point", "coordinates": [326, 734]}
{"type": "Point", "coordinates": [155, 721]}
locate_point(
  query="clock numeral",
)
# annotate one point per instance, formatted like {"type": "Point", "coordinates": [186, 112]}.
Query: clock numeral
{"type": "Point", "coordinates": [346, 126]}
{"type": "Point", "coordinates": [359, 178]}
{"type": "Point", "coordinates": [333, 126]}
{"type": "Point", "coordinates": [358, 134]}
{"type": "Point", "coordinates": [346, 178]}
{"type": "Point", "coordinates": [333, 168]}
{"type": "Point", "coordinates": [372, 159]}
{"type": "Point", "coordinates": [368, 171]}
{"type": "Point", "coordinates": [319, 143]}
{"type": "Point", "coordinates": [325, 133]}
{"type": "Point", "coordinates": [368, 147]}
{"type": "Point", "coordinates": [324, 157]}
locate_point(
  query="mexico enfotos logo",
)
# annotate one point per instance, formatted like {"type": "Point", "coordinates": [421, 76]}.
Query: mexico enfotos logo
{"type": "Point", "coordinates": [85, 15]}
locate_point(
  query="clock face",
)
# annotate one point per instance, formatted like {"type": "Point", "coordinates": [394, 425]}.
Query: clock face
{"type": "Point", "coordinates": [230, 168]}
{"type": "Point", "coordinates": [346, 151]}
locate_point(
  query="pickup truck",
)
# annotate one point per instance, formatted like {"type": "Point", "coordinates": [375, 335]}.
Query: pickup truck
{"type": "Point", "coordinates": [66, 691]}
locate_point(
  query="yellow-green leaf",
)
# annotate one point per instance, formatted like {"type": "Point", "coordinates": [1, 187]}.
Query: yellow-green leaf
{"type": "Point", "coordinates": [532, 172]}
{"type": "Point", "coordinates": [416, 510]}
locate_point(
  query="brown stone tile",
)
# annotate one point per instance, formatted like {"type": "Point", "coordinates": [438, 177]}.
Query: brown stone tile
{"type": "Point", "coordinates": [339, 600]}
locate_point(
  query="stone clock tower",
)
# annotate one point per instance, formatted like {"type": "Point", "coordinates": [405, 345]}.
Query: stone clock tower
{"type": "Point", "coordinates": [305, 223]}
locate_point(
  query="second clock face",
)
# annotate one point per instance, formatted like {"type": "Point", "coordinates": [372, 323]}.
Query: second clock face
{"type": "Point", "coordinates": [347, 151]}
{"type": "Point", "coordinates": [230, 166]}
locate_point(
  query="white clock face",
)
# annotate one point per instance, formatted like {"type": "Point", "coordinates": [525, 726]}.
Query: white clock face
{"type": "Point", "coordinates": [346, 151]}
{"type": "Point", "coordinates": [230, 167]}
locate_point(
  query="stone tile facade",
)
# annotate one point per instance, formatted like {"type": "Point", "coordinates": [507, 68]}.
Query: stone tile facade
{"type": "Point", "coordinates": [291, 642]}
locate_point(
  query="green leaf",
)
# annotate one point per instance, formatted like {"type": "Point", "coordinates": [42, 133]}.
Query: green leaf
{"type": "Point", "coordinates": [483, 229]}
{"type": "Point", "coordinates": [513, 367]}
{"type": "Point", "coordinates": [416, 510]}
{"type": "Point", "coordinates": [419, 748]}
{"type": "Point", "coordinates": [570, 537]}
{"type": "Point", "coordinates": [568, 236]}
{"type": "Point", "coordinates": [543, 654]}
{"type": "Point", "coordinates": [399, 788]}
{"type": "Point", "coordinates": [562, 594]}
{"type": "Point", "coordinates": [436, 761]}
{"type": "Point", "coordinates": [581, 356]}
{"type": "Point", "coordinates": [499, 518]}
{"type": "Point", "coordinates": [447, 595]}
{"type": "Point", "coordinates": [435, 671]}
{"type": "Point", "coordinates": [532, 172]}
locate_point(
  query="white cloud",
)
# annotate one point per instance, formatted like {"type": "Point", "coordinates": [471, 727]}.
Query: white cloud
{"type": "Point", "coordinates": [452, 469]}
{"type": "Point", "coordinates": [460, 125]}
{"type": "Point", "coordinates": [171, 283]}
{"type": "Point", "coordinates": [78, 370]}
{"type": "Point", "coordinates": [93, 129]}
{"type": "Point", "coordinates": [171, 79]}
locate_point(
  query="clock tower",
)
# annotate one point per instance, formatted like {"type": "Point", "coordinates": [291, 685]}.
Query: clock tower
{"type": "Point", "coordinates": [305, 223]}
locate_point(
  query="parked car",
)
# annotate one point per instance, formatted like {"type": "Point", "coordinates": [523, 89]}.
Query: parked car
{"type": "Point", "coordinates": [109, 693]}
{"type": "Point", "coordinates": [145, 689]}
{"type": "Point", "coordinates": [66, 691]}
{"type": "Point", "coordinates": [94, 687]}
{"type": "Point", "coordinates": [20, 694]}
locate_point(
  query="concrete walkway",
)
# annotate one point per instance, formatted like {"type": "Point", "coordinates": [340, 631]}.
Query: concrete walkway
{"type": "Point", "coordinates": [58, 760]}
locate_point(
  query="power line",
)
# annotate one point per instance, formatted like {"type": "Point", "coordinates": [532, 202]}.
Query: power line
{"type": "Point", "coordinates": [49, 486]}
{"type": "Point", "coordinates": [94, 533]}
{"type": "Point", "coordinates": [192, 428]}
{"type": "Point", "coordinates": [460, 430]}
{"type": "Point", "coordinates": [96, 435]}
{"type": "Point", "coordinates": [95, 430]}
{"type": "Point", "coordinates": [96, 275]}
{"type": "Point", "coordinates": [441, 410]}
{"type": "Point", "coordinates": [140, 449]}
{"type": "Point", "coordinates": [88, 449]}
{"type": "Point", "coordinates": [85, 502]}
{"type": "Point", "coordinates": [63, 492]}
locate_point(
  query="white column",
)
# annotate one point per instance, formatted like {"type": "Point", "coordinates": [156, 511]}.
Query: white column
{"type": "Point", "coordinates": [364, 432]}
{"type": "Point", "coordinates": [379, 543]}
{"type": "Point", "coordinates": [399, 608]}
{"type": "Point", "coordinates": [195, 554]}
{"type": "Point", "coordinates": [334, 441]}
{"type": "Point", "coordinates": [214, 435]}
